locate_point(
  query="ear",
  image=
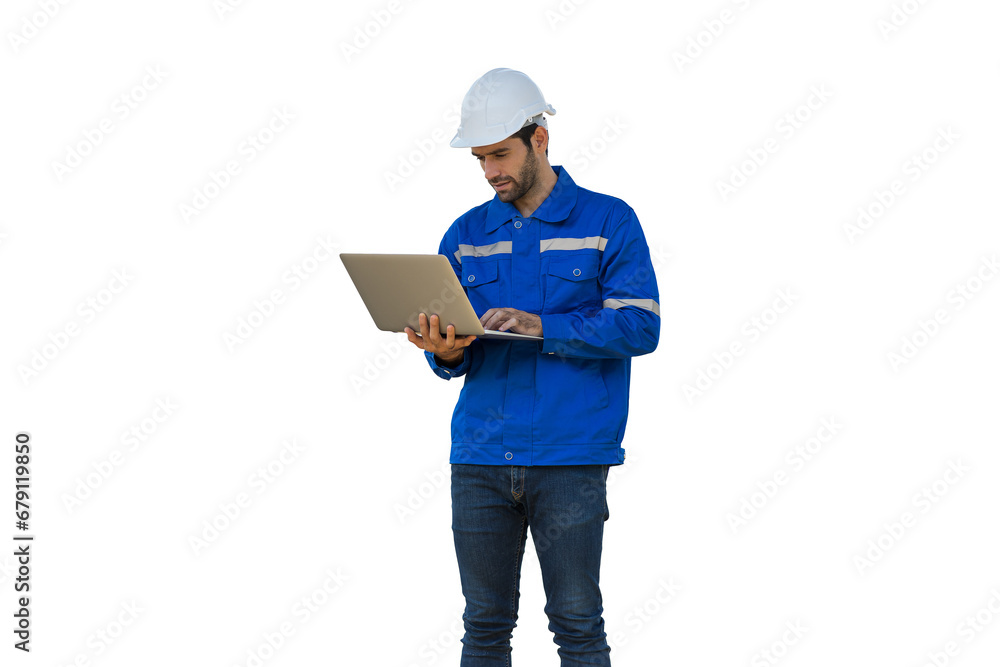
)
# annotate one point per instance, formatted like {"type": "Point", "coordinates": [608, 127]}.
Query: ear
{"type": "Point", "coordinates": [540, 139]}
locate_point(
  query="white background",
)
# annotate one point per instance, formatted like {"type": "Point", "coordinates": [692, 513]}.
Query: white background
{"type": "Point", "coordinates": [363, 165]}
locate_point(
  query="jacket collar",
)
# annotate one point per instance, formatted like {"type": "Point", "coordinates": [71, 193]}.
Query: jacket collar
{"type": "Point", "coordinates": [556, 207]}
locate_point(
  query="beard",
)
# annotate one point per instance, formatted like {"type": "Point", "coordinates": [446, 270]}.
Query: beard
{"type": "Point", "coordinates": [523, 182]}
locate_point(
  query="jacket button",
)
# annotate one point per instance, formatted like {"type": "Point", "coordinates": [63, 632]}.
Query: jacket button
{"type": "Point", "coordinates": [576, 272]}
{"type": "Point", "coordinates": [508, 456]}
{"type": "Point", "coordinates": [471, 278]}
{"type": "Point", "coordinates": [517, 223]}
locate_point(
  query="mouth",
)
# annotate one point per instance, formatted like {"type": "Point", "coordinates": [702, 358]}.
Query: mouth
{"type": "Point", "coordinates": [501, 186]}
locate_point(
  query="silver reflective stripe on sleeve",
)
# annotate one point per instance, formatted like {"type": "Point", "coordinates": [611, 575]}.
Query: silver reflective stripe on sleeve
{"type": "Point", "coordinates": [647, 304]}
{"type": "Point", "coordinates": [465, 250]}
{"type": "Point", "coordinates": [597, 242]}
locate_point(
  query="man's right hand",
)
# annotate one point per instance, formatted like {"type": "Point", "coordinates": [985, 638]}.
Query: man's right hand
{"type": "Point", "coordinates": [450, 348]}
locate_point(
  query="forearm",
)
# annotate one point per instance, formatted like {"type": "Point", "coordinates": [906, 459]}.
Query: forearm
{"type": "Point", "coordinates": [610, 333]}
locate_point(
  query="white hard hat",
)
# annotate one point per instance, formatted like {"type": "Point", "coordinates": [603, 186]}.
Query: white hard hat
{"type": "Point", "coordinates": [500, 103]}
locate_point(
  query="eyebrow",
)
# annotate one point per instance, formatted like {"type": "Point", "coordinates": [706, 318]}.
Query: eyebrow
{"type": "Point", "coordinates": [499, 150]}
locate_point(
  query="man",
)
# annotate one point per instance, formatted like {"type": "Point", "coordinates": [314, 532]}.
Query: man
{"type": "Point", "coordinates": [537, 424]}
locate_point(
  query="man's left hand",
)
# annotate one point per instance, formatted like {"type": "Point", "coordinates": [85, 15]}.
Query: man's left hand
{"type": "Point", "coordinates": [518, 321]}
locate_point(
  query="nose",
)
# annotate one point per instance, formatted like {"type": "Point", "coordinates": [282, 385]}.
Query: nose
{"type": "Point", "coordinates": [490, 169]}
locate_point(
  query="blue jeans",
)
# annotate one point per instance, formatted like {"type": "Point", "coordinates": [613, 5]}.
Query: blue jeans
{"type": "Point", "coordinates": [565, 507]}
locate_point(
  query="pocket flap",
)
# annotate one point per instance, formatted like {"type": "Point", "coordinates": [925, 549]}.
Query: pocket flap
{"type": "Point", "coordinates": [478, 272]}
{"type": "Point", "coordinates": [575, 268]}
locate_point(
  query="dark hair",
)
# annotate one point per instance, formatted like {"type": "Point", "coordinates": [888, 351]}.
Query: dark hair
{"type": "Point", "coordinates": [525, 134]}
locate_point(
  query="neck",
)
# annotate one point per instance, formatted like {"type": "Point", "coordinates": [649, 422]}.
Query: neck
{"type": "Point", "coordinates": [532, 199]}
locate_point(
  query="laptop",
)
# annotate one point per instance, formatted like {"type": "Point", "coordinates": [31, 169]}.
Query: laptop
{"type": "Point", "coordinates": [397, 288]}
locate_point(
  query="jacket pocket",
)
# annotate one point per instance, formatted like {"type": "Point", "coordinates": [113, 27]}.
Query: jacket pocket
{"type": "Point", "coordinates": [572, 402]}
{"type": "Point", "coordinates": [597, 389]}
{"type": "Point", "coordinates": [571, 283]}
{"type": "Point", "coordinates": [479, 278]}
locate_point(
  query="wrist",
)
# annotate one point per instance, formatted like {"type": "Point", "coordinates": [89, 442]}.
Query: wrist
{"type": "Point", "coordinates": [450, 361]}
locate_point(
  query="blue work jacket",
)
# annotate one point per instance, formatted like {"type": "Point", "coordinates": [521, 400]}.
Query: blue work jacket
{"type": "Point", "coordinates": [581, 263]}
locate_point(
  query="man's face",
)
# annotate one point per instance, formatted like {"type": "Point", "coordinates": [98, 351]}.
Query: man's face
{"type": "Point", "coordinates": [509, 166]}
